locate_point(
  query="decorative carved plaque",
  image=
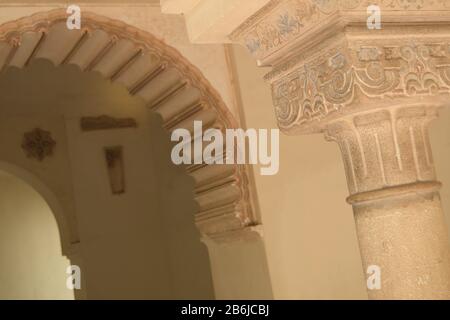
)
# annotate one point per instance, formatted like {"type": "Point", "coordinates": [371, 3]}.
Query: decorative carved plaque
{"type": "Point", "coordinates": [38, 144]}
{"type": "Point", "coordinates": [114, 161]}
{"type": "Point", "coordinates": [106, 122]}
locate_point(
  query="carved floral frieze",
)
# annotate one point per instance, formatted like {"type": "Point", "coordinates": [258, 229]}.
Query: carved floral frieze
{"type": "Point", "coordinates": [286, 20]}
{"type": "Point", "coordinates": [281, 21]}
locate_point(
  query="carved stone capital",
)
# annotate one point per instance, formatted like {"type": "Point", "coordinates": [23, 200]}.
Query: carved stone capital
{"type": "Point", "coordinates": [385, 149]}
{"type": "Point", "coordinates": [359, 76]}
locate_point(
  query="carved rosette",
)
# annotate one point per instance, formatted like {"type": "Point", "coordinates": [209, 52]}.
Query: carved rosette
{"type": "Point", "coordinates": [38, 144]}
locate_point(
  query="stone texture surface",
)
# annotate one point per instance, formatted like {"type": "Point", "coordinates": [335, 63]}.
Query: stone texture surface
{"type": "Point", "coordinates": [406, 237]}
{"type": "Point", "coordinates": [396, 203]}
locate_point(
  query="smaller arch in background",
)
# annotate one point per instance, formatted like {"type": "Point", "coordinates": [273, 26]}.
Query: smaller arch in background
{"type": "Point", "coordinates": [50, 198]}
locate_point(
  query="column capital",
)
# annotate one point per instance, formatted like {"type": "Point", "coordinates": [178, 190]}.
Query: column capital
{"type": "Point", "coordinates": [345, 78]}
{"type": "Point", "coordinates": [386, 152]}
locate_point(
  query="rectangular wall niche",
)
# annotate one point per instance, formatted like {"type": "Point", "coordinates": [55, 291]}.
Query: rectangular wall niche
{"type": "Point", "coordinates": [114, 161]}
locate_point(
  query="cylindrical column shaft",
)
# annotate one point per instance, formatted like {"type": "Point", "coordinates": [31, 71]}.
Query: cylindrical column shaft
{"type": "Point", "coordinates": [405, 236]}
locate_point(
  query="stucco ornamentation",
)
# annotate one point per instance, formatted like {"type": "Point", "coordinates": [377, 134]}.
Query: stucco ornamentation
{"type": "Point", "coordinates": [279, 22]}
{"type": "Point", "coordinates": [331, 82]}
{"type": "Point", "coordinates": [38, 144]}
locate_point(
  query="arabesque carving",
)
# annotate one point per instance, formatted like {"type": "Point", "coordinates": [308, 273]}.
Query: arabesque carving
{"type": "Point", "coordinates": [334, 81]}
{"type": "Point", "coordinates": [282, 21]}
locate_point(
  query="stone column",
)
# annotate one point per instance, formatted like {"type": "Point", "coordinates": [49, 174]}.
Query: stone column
{"type": "Point", "coordinates": [395, 198]}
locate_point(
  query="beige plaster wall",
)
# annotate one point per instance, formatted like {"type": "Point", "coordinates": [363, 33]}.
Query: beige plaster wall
{"type": "Point", "coordinates": [309, 229]}
{"type": "Point", "coordinates": [440, 142]}
{"type": "Point", "coordinates": [191, 275]}
{"type": "Point", "coordinates": [31, 264]}
{"type": "Point", "coordinates": [240, 270]}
